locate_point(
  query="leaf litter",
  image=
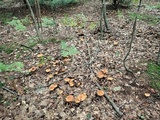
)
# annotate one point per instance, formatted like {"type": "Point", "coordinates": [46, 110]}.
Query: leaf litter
{"type": "Point", "coordinates": [47, 87]}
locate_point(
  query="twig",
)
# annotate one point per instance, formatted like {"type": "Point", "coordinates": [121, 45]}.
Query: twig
{"type": "Point", "coordinates": [93, 78]}
{"type": "Point", "coordinates": [9, 90]}
{"type": "Point", "coordinates": [108, 98]}
{"type": "Point", "coordinates": [26, 47]}
{"type": "Point", "coordinates": [158, 57]}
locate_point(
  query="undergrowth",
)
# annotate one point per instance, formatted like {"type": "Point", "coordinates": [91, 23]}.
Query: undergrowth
{"type": "Point", "coordinates": [154, 74]}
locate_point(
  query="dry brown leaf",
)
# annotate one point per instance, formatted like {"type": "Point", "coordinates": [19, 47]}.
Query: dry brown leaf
{"type": "Point", "coordinates": [115, 43]}
{"type": "Point", "coordinates": [81, 39]}
{"type": "Point", "coordinates": [82, 96]}
{"type": "Point", "coordinates": [59, 92]}
{"type": "Point", "coordinates": [63, 69]}
{"type": "Point", "coordinates": [32, 69]}
{"type": "Point", "coordinates": [39, 55]}
{"type": "Point", "coordinates": [110, 78]}
{"type": "Point", "coordinates": [69, 98]}
{"type": "Point", "coordinates": [55, 73]}
{"type": "Point", "coordinates": [78, 84]}
{"type": "Point", "coordinates": [100, 74]}
{"type": "Point", "coordinates": [100, 92]}
{"type": "Point", "coordinates": [52, 86]}
{"type": "Point", "coordinates": [147, 94]}
{"type": "Point", "coordinates": [104, 70]}
{"type": "Point", "coordinates": [66, 60]}
{"type": "Point", "coordinates": [48, 70]}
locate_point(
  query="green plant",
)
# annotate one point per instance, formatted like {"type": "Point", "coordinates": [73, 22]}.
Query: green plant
{"type": "Point", "coordinates": [1, 84]}
{"type": "Point", "coordinates": [150, 7]}
{"type": "Point", "coordinates": [16, 66]}
{"type": "Point", "coordinates": [8, 48]}
{"type": "Point", "coordinates": [92, 25]}
{"type": "Point", "coordinates": [56, 3]}
{"type": "Point", "coordinates": [68, 21]}
{"type": "Point", "coordinates": [46, 22]}
{"type": "Point", "coordinates": [32, 41]}
{"type": "Point", "coordinates": [6, 17]}
{"type": "Point", "coordinates": [67, 50]}
{"type": "Point", "coordinates": [120, 14]}
{"type": "Point", "coordinates": [25, 21]}
{"type": "Point", "coordinates": [18, 25]}
{"type": "Point", "coordinates": [78, 20]}
{"type": "Point", "coordinates": [154, 74]}
{"type": "Point", "coordinates": [147, 18]}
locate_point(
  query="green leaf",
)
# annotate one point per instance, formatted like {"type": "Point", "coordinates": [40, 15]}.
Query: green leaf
{"type": "Point", "coordinates": [1, 84]}
{"type": "Point", "coordinates": [63, 45]}
{"type": "Point", "coordinates": [64, 54]}
{"type": "Point", "coordinates": [16, 66]}
{"type": "Point", "coordinates": [17, 24]}
{"type": "Point", "coordinates": [67, 50]}
{"type": "Point", "coordinates": [46, 22]}
{"type": "Point", "coordinates": [72, 50]}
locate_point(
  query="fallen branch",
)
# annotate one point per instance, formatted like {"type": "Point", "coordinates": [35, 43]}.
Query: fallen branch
{"type": "Point", "coordinates": [94, 79]}
{"type": "Point", "coordinates": [108, 98]}
{"type": "Point", "coordinates": [9, 90]}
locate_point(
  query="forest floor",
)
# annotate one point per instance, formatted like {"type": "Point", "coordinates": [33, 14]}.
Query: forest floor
{"type": "Point", "coordinates": [100, 60]}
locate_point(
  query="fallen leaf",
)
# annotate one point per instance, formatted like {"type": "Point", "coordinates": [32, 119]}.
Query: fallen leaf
{"type": "Point", "coordinates": [100, 74]}
{"type": "Point", "coordinates": [82, 96]}
{"type": "Point", "coordinates": [48, 70]}
{"type": "Point", "coordinates": [39, 55]}
{"type": "Point", "coordinates": [81, 39]}
{"type": "Point", "coordinates": [59, 92]}
{"type": "Point", "coordinates": [110, 78]}
{"type": "Point", "coordinates": [52, 86]}
{"type": "Point", "coordinates": [100, 92]}
{"type": "Point", "coordinates": [66, 60]}
{"type": "Point", "coordinates": [69, 98]}
{"type": "Point", "coordinates": [63, 69]}
{"type": "Point", "coordinates": [147, 94]}
{"type": "Point", "coordinates": [117, 88]}
{"type": "Point", "coordinates": [115, 43]}
{"type": "Point", "coordinates": [78, 84]}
